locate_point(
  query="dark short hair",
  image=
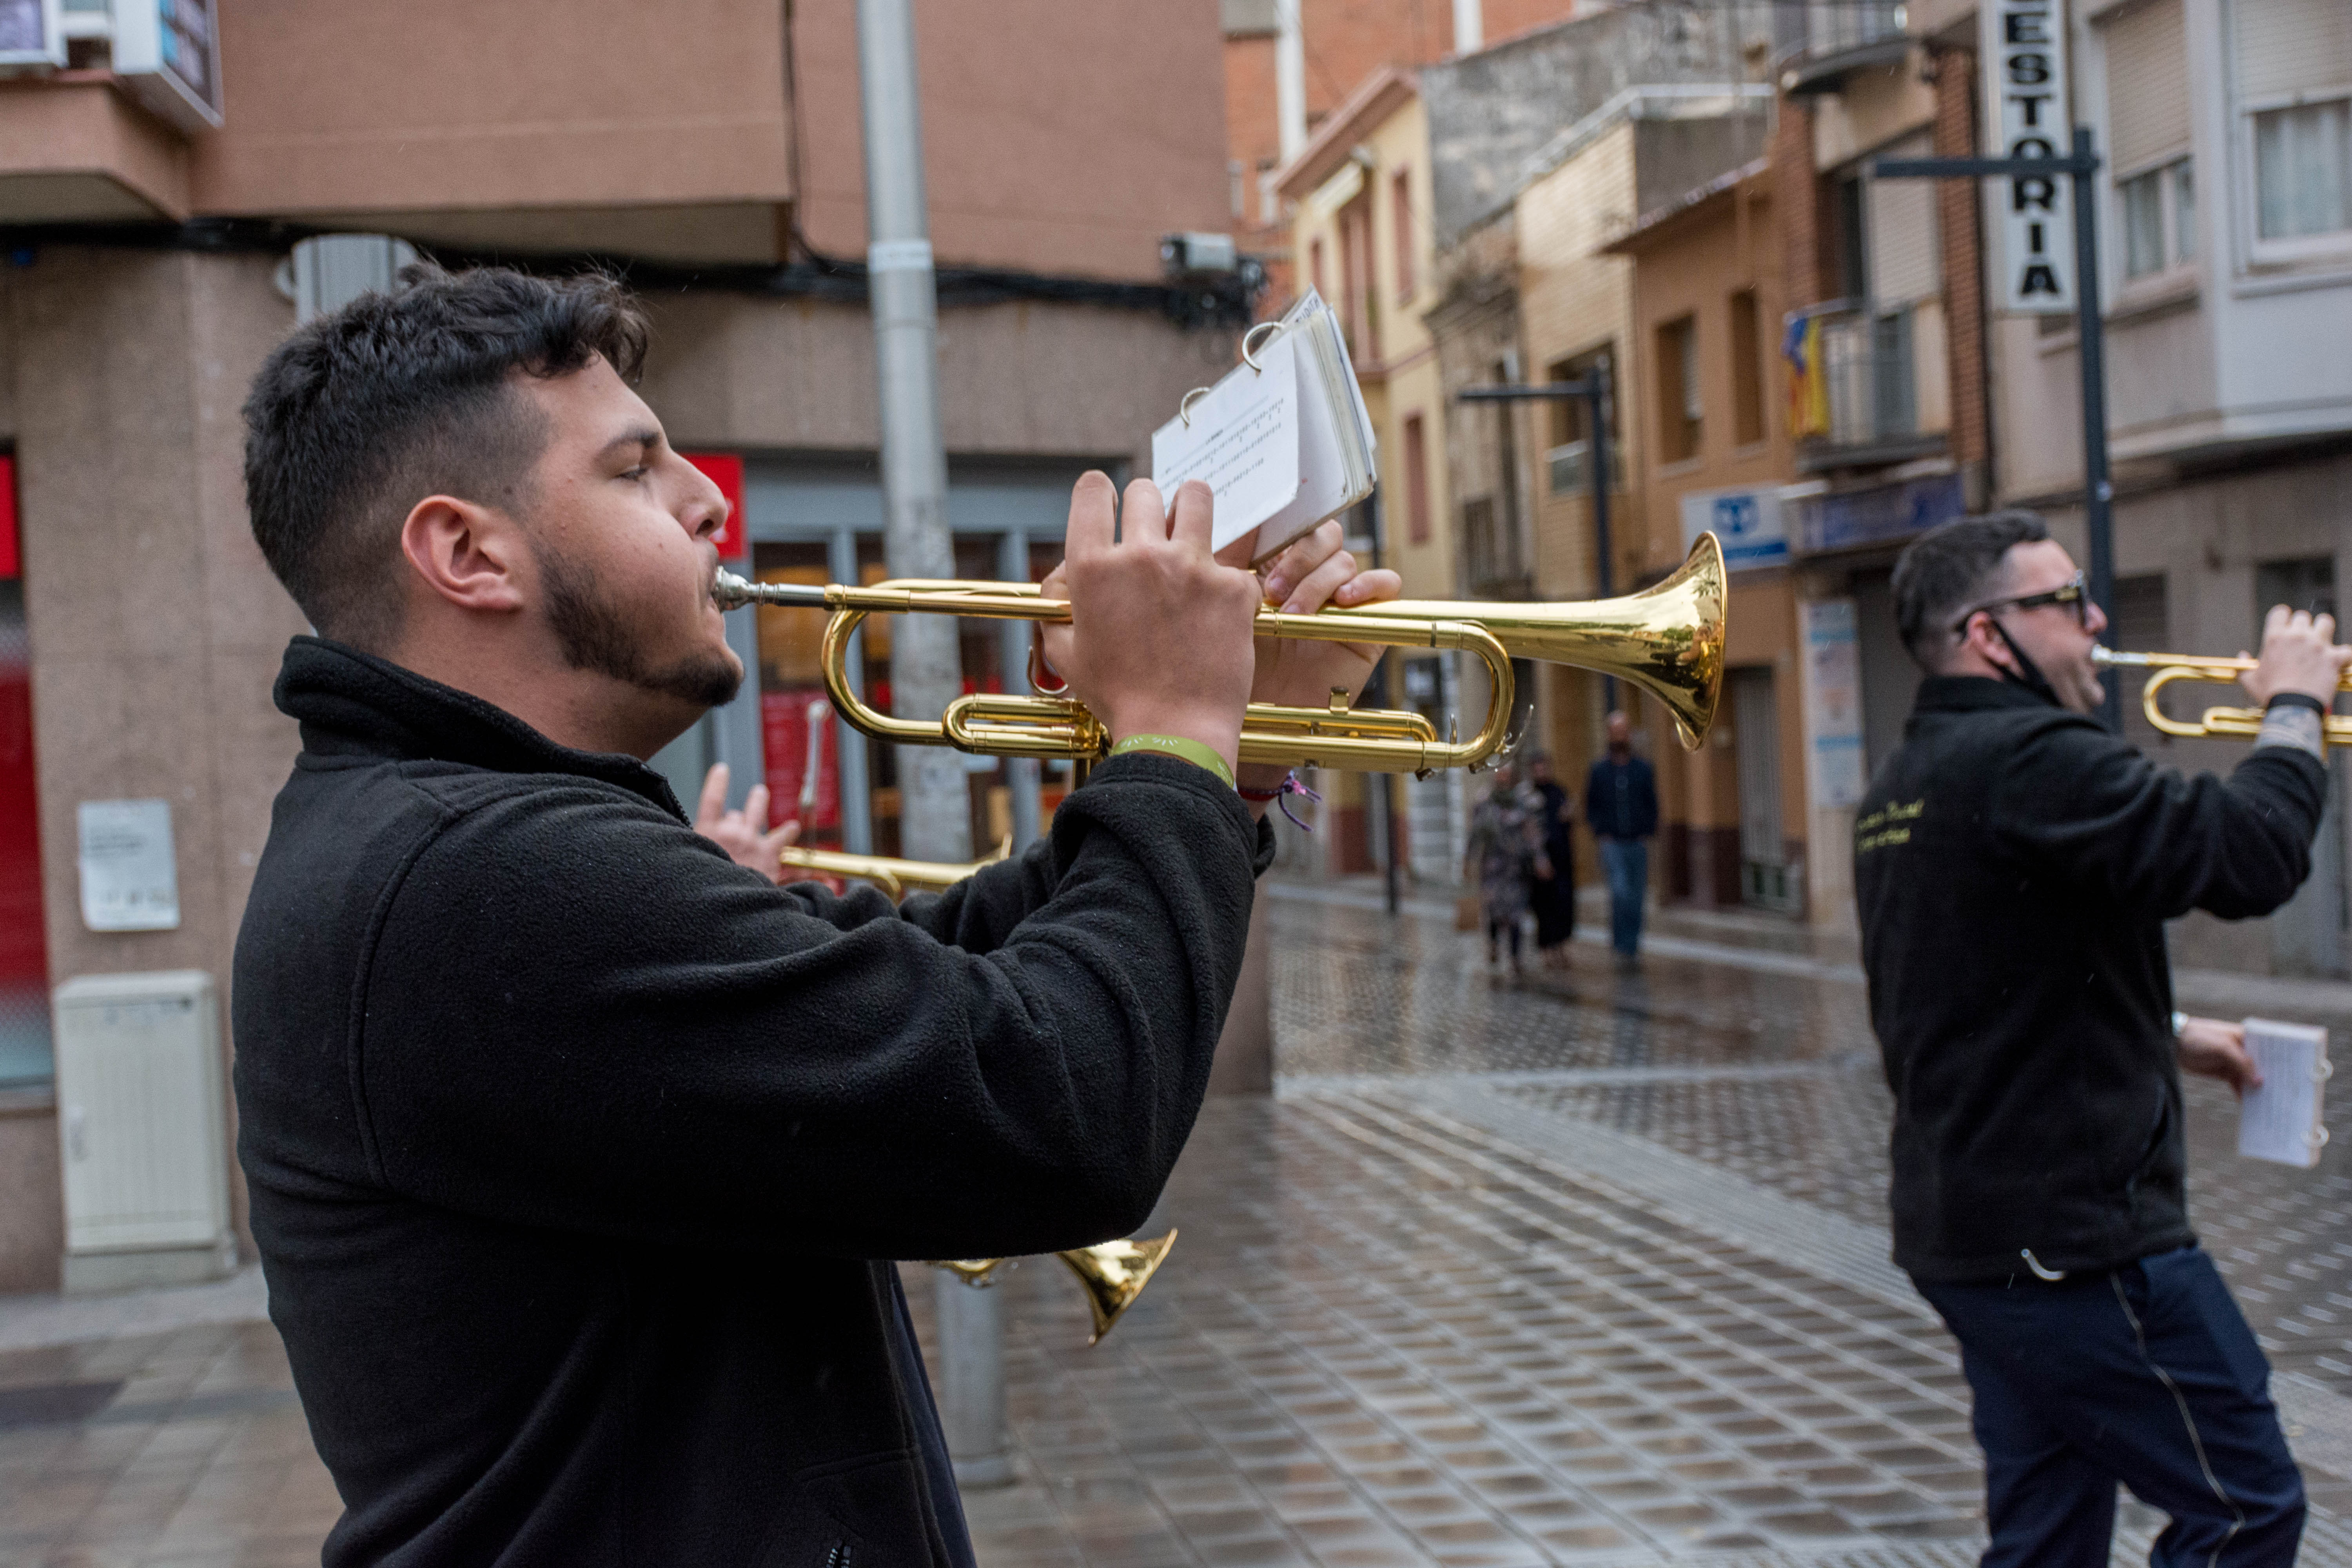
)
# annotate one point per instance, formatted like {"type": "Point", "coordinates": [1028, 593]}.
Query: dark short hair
{"type": "Point", "coordinates": [1949, 570]}
{"type": "Point", "coordinates": [367, 410]}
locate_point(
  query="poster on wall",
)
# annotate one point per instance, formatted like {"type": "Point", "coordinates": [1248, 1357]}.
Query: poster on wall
{"type": "Point", "coordinates": [1833, 691]}
{"type": "Point", "coordinates": [130, 879]}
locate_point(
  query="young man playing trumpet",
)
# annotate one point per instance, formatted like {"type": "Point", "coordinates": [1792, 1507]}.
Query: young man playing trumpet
{"type": "Point", "coordinates": [574, 1147]}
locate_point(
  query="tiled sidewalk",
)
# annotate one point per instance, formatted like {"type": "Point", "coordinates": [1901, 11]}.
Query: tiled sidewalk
{"type": "Point", "coordinates": [1579, 1272]}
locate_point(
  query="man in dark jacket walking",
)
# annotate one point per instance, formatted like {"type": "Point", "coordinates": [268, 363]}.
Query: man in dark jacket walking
{"type": "Point", "coordinates": [1620, 805]}
{"type": "Point", "coordinates": [2014, 864]}
{"type": "Point", "coordinates": [575, 1148]}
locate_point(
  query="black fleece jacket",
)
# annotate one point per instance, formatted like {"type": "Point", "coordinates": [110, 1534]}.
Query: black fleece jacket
{"type": "Point", "coordinates": [574, 1147]}
{"type": "Point", "coordinates": [2015, 865]}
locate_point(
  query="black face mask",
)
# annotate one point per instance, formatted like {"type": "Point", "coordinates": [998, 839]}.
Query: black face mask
{"type": "Point", "coordinates": [2028, 674]}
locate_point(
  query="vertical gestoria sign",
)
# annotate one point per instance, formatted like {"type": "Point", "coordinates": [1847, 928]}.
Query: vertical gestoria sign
{"type": "Point", "coordinates": [2027, 115]}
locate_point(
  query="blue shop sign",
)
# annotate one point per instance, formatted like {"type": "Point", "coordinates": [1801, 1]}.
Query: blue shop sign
{"type": "Point", "coordinates": [1841, 520]}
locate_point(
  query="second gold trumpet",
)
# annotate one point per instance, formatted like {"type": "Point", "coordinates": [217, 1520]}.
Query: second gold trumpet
{"type": "Point", "coordinates": [1667, 641]}
{"type": "Point", "coordinates": [2218, 723]}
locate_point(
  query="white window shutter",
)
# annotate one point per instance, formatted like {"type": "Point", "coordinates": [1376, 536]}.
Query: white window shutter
{"type": "Point", "coordinates": [2147, 85]}
{"type": "Point", "coordinates": [1903, 245]}
{"type": "Point", "coordinates": [2290, 47]}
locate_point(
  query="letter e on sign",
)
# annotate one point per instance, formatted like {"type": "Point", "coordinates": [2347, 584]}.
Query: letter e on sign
{"type": "Point", "coordinates": [2027, 115]}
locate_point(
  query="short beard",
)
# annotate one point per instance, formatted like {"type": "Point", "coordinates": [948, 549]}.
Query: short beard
{"type": "Point", "coordinates": [595, 636]}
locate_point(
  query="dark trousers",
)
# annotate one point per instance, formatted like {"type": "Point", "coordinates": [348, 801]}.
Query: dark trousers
{"type": "Point", "coordinates": [2144, 1375]}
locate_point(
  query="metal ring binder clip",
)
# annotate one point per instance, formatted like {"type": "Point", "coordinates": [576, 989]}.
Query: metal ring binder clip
{"type": "Point", "coordinates": [2322, 1070]}
{"type": "Point", "coordinates": [2317, 1137]}
{"type": "Point", "coordinates": [1184, 409]}
{"type": "Point", "coordinates": [1250, 343]}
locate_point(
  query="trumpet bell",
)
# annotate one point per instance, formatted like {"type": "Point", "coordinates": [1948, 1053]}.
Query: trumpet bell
{"type": "Point", "coordinates": [1113, 1274]}
{"type": "Point", "coordinates": [1667, 641]}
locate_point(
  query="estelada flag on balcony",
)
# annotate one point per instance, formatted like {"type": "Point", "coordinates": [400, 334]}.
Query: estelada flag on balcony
{"type": "Point", "coordinates": [1808, 382]}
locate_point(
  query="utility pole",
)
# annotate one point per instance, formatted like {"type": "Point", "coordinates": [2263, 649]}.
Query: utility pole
{"type": "Point", "coordinates": [934, 802]}
{"type": "Point", "coordinates": [1377, 695]}
{"type": "Point", "coordinates": [2081, 166]}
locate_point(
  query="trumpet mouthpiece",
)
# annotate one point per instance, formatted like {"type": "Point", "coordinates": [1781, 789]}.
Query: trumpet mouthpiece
{"type": "Point", "coordinates": [731, 591]}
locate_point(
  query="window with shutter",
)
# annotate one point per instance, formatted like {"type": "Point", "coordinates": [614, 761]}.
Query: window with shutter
{"type": "Point", "coordinates": [2147, 85]}
{"type": "Point", "coordinates": [1901, 247]}
{"type": "Point", "coordinates": [2293, 61]}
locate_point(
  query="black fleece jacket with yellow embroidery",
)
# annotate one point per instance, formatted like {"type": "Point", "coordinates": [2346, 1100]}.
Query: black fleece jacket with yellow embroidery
{"type": "Point", "coordinates": [2014, 865]}
{"type": "Point", "coordinates": [575, 1149]}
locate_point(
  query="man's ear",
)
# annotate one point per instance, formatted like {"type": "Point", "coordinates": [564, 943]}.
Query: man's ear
{"type": "Point", "coordinates": [464, 552]}
{"type": "Point", "coordinates": [1982, 636]}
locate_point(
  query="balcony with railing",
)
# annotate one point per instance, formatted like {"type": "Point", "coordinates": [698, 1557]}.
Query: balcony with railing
{"type": "Point", "coordinates": [1822, 42]}
{"type": "Point", "coordinates": [1859, 397]}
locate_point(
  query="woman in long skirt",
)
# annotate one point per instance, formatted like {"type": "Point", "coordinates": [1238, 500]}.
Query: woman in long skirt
{"type": "Point", "coordinates": [1553, 898]}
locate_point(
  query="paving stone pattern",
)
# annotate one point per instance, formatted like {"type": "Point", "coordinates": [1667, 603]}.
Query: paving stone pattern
{"type": "Point", "coordinates": [1632, 1311]}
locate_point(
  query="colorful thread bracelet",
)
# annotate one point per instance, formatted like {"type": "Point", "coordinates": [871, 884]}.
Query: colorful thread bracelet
{"type": "Point", "coordinates": [1288, 786]}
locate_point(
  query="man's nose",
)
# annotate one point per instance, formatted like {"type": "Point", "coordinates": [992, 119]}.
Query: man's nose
{"type": "Point", "coordinates": [2097, 622]}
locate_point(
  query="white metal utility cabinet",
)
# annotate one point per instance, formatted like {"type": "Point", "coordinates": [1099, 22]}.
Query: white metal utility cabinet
{"type": "Point", "coordinates": [142, 1130]}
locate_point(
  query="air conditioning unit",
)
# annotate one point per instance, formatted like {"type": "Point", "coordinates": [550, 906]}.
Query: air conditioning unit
{"type": "Point", "coordinates": [142, 1130]}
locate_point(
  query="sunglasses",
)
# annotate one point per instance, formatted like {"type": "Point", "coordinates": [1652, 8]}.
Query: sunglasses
{"type": "Point", "coordinates": [2075, 593]}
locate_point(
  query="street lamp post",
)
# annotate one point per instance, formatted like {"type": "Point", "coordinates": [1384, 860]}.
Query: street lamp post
{"type": "Point", "coordinates": [934, 801]}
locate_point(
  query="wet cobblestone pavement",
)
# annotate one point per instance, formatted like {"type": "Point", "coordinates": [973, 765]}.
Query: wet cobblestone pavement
{"type": "Point", "coordinates": [1589, 1270]}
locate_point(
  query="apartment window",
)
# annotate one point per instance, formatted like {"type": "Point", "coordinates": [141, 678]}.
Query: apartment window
{"type": "Point", "coordinates": [1747, 370]}
{"type": "Point", "coordinates": [1269, 200]}
{"type": "Point", "coordinates": [2302, 170]}
{"type": "Point", "coordinates": [1233, 185]}
{"type": "Point", "coordinates": [1314, 268]}
{"type": "Point", "coordinates": [2159, 219]}
{"type": "Point", "coordinates": [1400, 224]}
{"type": "Point", "coordinates": [1416, 481]}
{"type": "Point", "coordinates": [1678, 399]}
{"type": "Point", "coordinates": [2146, 51]}
{"type": "Point", "coordinates": [2294, 62]}
{"type": "Point", "coordinates": [1568, 425]}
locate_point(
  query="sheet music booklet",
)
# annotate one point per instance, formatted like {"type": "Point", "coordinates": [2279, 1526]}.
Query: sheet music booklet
{"type": "Point", "coordinates": [2284, 1119]}
{"type": "Point", "coordinates": [1284, 439]}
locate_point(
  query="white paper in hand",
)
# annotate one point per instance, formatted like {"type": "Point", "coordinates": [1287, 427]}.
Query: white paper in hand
{"type": "Point", "coordinates": [1242, 439]}
{"type": "Point", "coordinates": [2282, 1121]}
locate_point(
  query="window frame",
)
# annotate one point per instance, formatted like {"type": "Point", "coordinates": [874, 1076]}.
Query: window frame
{"type": "Point", "coordinates": [2334, 246]}
{"type": "Point", "coordinates": [2165, 170]}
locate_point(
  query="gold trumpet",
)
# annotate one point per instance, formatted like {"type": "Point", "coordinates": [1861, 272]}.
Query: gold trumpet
{"type": "Point", "coordinates": [894, 877]}
{"type": "Point", "coordinates": [1667, 641]}
{"type": "Point", "coordinates": [1113, 1273]}
{"type": "Point", "coordinates": [2218, 723]}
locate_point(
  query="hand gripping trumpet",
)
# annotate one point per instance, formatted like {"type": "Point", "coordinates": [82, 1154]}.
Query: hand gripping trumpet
{"type": "Point", "coordinates": [2217, 723]}
{"type": "Point", "coordinates": [1666, 640]}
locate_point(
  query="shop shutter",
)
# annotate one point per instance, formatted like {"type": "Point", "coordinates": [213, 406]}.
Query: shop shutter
{"type": "Point", "coordinates": [1900, 217]}
{"type": "Point", "coordinates": [2147, 85]}
{"type": "Point", "coordinates": [2290, 47]}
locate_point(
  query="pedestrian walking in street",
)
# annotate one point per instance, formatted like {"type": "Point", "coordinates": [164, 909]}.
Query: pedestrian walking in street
{"type": "Point", "coordinates": [1506, 856]}
{"type": "Point", "coordinates": [2015, 863]}
{"type": "Point", "coordinates": [1621, 806]}
{"type": "Point", "coordinates": [1553, 893]}
{"type": "Point", "coordinates": [576, 1142]}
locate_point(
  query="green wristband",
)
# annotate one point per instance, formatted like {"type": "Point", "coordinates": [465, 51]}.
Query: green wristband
{"type": "Point", "coordinates": [1177, 746]}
